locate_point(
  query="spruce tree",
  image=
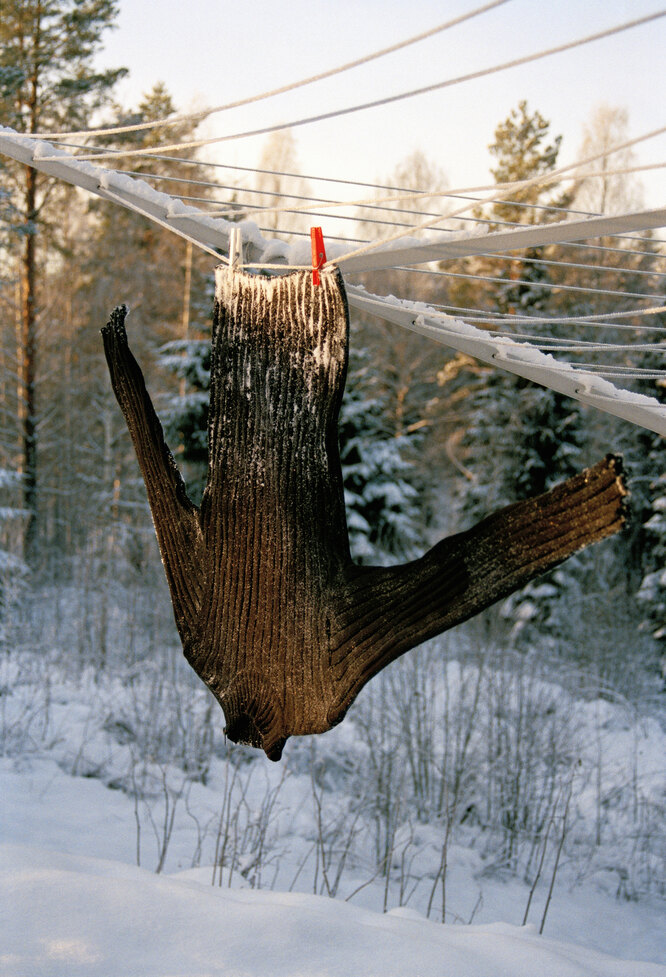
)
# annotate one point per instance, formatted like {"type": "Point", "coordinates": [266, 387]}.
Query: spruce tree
{"type": "Point", "coordinates": [651, 595]}
{"type": "Point", "coordinates": [381, 499]}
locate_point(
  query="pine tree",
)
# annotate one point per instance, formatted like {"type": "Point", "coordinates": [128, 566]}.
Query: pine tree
{"type": "Point", "coordinates": [523, 150]}
{"type": "Point", "coordinates": [48, 81]}
{"type": "Point", "coordinates": [521, 439]}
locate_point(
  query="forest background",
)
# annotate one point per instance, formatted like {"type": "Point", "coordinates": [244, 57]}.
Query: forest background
{"type": "Point", "coordinates": [431, 440]}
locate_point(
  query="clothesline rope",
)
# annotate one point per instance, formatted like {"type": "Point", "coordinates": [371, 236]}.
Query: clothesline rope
{"type": "Point", "coordinates": [435, 313]}
{"type": "Point", "coordinates": [473, 316]}
{"type": "Point", "coordinates": [601, 320]}
{"type": "Point", "coordinates": [372, 204]}
{"type": "Point", "coordinates": [271, 93]}
{"type": "Point", "coordinates": [506, 352]}
{"type": "Point", "coordinates": [624, 252]}
{"type": "Point", "coordinates": [540, 180]}
{"type": "Point", "coordinates": [237, 210]}
{"type": "Point", "coordinates": [375, 202]}
{"type": "Point", "coordinates": [546, 285]}
{"type": "Point", "coordinates": [619, 292]}
{"type": "Point", "coordinates": [514, 357]}
{"type": "Point", "coordinates": [259, 211]}
{"type": "Point", "coordinates": [549, 286]}
{"type": "Point", "coordinates": [619, 373]}
{"type": "Point", "coordinates": [307, 177]}
{"type": "Point", "coordinates": [390, 99]}
{"type": "Point", "coordinates": [571, 347]}
{"type": "Point", "coordinates": [580, 346]}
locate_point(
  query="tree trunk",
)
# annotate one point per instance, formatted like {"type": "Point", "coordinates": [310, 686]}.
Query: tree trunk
{"type": "Point", "coordinates": [273, 614]}
{"type": "Point", "coordinates": [27, 370]}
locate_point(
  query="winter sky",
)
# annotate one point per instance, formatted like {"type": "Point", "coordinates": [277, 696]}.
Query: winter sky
{"type": "Point", "coordinates": [209, 52]}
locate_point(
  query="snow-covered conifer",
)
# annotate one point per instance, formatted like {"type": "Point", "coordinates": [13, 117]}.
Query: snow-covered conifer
{"type": "Point", "coordinates": [186, 415]}
{"type": "Point", "coordinates": [651, 595]}
{"type": "Point", "coordinates": [382, 503]}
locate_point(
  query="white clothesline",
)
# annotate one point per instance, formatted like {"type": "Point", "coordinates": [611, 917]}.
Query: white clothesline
{"type": "Point", "coordinates": [236, 211]}
{"type": "Point", "coordinates": [555, 287]}
{"type": "Point", "coordinates": [475, 219]}
{"type": "Point", "coordinates": [390, 99]}
{"type": "Point", "coordinates": [541, 180]}
{"type": "Point", "coordinates": [535, 235]}
{"type": "Point", "coordinates": [282, 90]}
{"type": "Point", "coordinates": [375, 202]}
{"type": "Point", "coordinates": [214, 234]}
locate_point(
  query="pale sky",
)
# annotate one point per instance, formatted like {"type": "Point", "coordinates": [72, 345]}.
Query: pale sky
{"type": "Point", "coordinates": [209, 52]}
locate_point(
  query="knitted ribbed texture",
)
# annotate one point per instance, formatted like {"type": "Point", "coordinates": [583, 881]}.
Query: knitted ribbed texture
{"type": "Point", "coordinates": [273, 615]}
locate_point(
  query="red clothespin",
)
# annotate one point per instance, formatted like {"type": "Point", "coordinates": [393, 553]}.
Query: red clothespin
{"type": "Point", "coordinates": [318, 253]}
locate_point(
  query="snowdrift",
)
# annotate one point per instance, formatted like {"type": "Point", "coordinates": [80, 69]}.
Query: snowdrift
{"type": "Point", "coordinates": [66, 915]}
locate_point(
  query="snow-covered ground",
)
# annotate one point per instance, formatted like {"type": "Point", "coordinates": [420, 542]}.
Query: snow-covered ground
{"type": "Point", "coordinates": [72, 915]}
{"type": "Point", "coordinates": [90, 788]}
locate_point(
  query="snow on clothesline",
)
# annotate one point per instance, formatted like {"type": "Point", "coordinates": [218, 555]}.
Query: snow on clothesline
{"type": "Point", "coordinates": [542, 180]}
{"type": "Point", "coordinates": [235, 210]}
{"type": "Point", "coordinates": [214, 233]}
{"type": "Point", "coordinates": [500, 193]}
{"type": "Point", "coordinates": [404, 193]}
{"type": "Point", "coordinates": [515, 357]}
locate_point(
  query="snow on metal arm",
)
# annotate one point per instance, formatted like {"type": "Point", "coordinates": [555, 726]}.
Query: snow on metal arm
{"type": "Point", "coordinates": [137, 195]}
{"type": "Point", "coordinates": [520, 358]}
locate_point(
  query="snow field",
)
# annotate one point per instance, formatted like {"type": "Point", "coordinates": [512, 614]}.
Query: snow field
{"type": "Point", "coordinates": [74, 915]}
{"type": "Point", "coordinates": [131, 767]}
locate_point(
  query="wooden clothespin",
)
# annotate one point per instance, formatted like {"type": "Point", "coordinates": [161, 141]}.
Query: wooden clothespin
{"type": "Point", "coordinates": [235, 251]}
{"type": "Point", "coordinates": [318, 253]}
